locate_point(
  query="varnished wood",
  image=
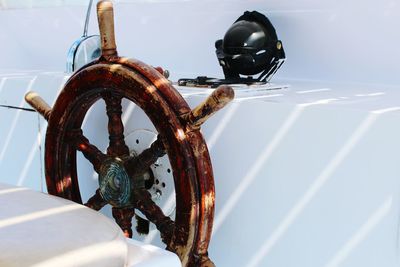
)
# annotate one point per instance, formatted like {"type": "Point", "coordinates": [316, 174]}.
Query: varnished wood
{"type": "Point", "coordinates": [105, 15]}
{"type": "Point", "coordinates": [84, 89]}
{"type": "Point", "coordinates": [206, 204]}
{"type": "Point", "coordinates": [117, 146]}
{"type": "Point", "coordinates": [123, 217]}
{"type": "Point", "coordinates": [36, 102]}
{"type": "Point", "coordinates": [140, 164]}
{"type": "Point", "coordinates": [96, 202]}
{"type": "Point", "coordinates": [91, 152]}
{"type": "Point", "coordinates": [145, 204]}
{"type": "Point", "coordinates": [214, 102]}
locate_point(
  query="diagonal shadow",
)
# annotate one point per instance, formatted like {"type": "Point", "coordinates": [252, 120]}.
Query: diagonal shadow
{"type": "Point", "coordinates": [261, 160]}
{"type": "Point", "coordinates": [322, 178]}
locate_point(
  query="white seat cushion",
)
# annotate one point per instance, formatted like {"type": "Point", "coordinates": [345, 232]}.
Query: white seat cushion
{"type": "Point", "coordinates": [40, 230]}
{"type": "Point", "coordinates": [142, 255]}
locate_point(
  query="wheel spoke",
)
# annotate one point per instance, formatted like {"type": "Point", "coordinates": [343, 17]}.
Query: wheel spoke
{"type": "Point", "coordinates": [91, 152]}
{"type": "Point", "coordinates": [142, 225]}
{"type": "Point", "coordinates": [123, 217]}
{"type": "Point", "coordinates": [117, 146]}
{"type": "Point", "coordinates": [96, 202]}
{"type": "Point", "coordinates": [146, 205]}
{"type": "Point", "coordinates": [137, 166]}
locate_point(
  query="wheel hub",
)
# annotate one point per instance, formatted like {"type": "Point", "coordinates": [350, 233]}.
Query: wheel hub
{"type": "Point", "coordinates": [114, 183]}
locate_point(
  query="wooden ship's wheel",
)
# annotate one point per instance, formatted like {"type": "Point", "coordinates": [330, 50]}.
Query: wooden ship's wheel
{"type": "Point", "coordinates": [121, 184]}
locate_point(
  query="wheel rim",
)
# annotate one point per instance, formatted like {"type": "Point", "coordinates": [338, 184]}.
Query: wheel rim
{"type": "Point", "coordinates": [188, 153]}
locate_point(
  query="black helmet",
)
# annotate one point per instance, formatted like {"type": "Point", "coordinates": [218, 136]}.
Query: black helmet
{"type": "Point", "coordinates": [250, 46]}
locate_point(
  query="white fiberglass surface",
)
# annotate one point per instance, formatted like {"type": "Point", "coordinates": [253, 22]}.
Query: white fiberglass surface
{"type": "Point", "coordinates": [290, 153]}
{"type": "Point", "coordinates": [308, 175]}
{"type": "Point", "coordinates": [6, 4]}
{"type": "Point", "coordinates": [324, 40]}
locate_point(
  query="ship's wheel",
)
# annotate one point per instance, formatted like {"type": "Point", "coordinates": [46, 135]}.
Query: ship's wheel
{"type": "Point", "coordinates": [121, 184]}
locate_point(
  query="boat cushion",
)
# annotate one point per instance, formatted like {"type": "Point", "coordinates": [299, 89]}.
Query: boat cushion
{"type": "Point", "coordinates": [40, 230]}
{"type": "Point", "coordinates": [145, 255]}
